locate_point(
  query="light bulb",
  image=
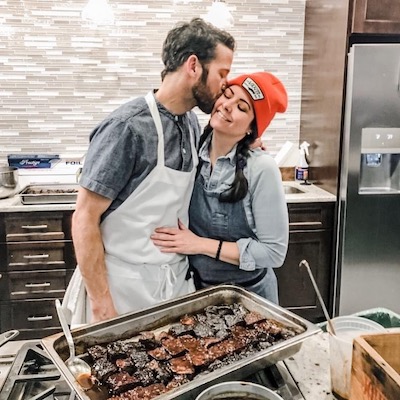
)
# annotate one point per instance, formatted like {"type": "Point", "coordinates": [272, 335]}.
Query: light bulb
{"type": "Point", "coordinates": [219, 15]}
{"type": "Point", "coordinates": [99, 12]}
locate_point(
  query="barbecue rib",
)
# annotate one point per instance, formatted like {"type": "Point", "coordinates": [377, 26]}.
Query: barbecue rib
{"type": "Point", "coordinates": [196, 345]}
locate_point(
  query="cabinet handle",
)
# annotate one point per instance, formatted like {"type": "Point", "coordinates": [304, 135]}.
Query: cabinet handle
{"type": "Point", "coordinates": [35, 256]}
{"type": "Point", "coordinates": [34, 226]}
{"type": "Point", "coordinates": [45, 318]}
{"type": "Point", "coordinates": [305, 224]}
{"type": "Point", "coordinates": [398, 83]}
{"type": "Point", "coordinates": [37, 285]}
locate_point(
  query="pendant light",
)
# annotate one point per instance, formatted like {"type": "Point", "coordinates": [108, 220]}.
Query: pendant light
{"type": "Point", "coordinates": [98, 12]}
{"type": "Point", "coordinates": [219, 15]}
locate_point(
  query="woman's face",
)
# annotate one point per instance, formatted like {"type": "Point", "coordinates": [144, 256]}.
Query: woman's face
{"type": "Point", "coordinates": [233, 112]}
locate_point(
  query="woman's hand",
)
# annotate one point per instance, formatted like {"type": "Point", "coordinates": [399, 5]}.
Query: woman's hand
{"type": "Point", "coordinates": [177, 240]}
{"type": "Point", "coordinates": [258, 143]}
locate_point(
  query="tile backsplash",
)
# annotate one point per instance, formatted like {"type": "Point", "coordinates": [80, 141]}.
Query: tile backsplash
{"type": "Point", "coordinates": [60, 75]}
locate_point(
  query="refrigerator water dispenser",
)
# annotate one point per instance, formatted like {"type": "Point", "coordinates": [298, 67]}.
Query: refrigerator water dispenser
{"type": "Point", "coordinates": [380, 161]}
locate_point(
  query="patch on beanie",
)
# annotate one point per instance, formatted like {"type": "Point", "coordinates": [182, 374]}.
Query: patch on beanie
{"type": "Point", "coordinates": [253, 89]}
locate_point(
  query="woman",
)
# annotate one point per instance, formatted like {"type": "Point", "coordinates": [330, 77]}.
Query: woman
{"type": "Point", "coordinates": [238, 214]}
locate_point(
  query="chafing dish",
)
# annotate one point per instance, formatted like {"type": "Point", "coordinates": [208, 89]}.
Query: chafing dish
{"type": "Point", "coordinates": [50, 193]}
{"type": "Point", "coordinates": [158, 318]}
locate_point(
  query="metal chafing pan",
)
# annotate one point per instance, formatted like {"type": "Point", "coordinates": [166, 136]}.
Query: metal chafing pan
{"type": "Point", "coordinates": [50, 193]}
{"type": "Point", "coordinates": [161, 316]}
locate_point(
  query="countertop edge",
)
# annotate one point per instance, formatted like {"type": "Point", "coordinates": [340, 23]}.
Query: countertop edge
{"type": "Point", "coordinates": [309, 194]}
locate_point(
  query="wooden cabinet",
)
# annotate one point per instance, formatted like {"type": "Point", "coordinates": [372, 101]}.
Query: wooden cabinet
{"type": "Point", "coordinates": [310, 238]}
{"type": "Point", "coordinates": [36, 263]}
{"type": "Point", "coordinates": [376, 16]}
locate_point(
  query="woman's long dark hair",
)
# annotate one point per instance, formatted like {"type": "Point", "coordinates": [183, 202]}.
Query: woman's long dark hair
{"type": "Point", "coordinates": [239, 187]}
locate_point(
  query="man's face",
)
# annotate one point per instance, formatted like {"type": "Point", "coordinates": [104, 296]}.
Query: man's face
{"type": "Point", "coordinates": [213, 79]}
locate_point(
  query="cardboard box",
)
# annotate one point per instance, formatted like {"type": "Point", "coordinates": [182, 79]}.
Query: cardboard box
{"type": "Point", "coordinates": [33, 160]}
{"type": "Point", "coordinates": [375, 373]}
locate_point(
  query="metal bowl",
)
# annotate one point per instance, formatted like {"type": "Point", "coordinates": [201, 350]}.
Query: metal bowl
{"type": "Point", "coordinates": [238, 390]}
{"type": "Point", "coordinates": [8, 177]}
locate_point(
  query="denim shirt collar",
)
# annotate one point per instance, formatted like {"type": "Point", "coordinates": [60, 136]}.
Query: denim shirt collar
{"type": "Point", "coordinates": [204, 153]}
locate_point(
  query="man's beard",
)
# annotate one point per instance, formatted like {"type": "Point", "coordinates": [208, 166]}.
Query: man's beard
{"type": "Point", "coordinates": [204, 98]}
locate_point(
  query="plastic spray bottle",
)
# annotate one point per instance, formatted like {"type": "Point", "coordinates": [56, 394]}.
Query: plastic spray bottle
{"type": "Point", "coordinates": [301, 170]}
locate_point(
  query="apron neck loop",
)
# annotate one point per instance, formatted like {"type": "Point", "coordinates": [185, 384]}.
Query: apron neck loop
{"type": "Point", "coordinates": [151, 102]}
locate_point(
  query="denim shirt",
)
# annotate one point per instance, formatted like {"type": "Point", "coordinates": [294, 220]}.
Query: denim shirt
{"type": "Point", "coordinates": [265, 205]}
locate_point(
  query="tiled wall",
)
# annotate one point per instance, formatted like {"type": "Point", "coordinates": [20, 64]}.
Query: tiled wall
{"type": "Point", "coordinates": [59, 76]}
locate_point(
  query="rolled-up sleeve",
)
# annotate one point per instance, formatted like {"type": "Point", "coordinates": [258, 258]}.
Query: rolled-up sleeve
{"type": "Point", "coordinates": [269, 215]}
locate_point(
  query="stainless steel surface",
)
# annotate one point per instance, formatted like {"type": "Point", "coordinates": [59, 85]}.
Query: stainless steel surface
{"type": "Point", "coordinates": [9, 335]}
{"type": "Point", "coordinates": [159, 317]}
{"type": "Point", "coordinates": [321, 300]}
{"type": "Point", "coordinates": [51, 193]}
{"type": "Point", "coordinates": [76, 365]}
{"type": "Point", "coordinates": [238, 389]}
{"type": "Point", "coordinates": [368, 250]}
{"type": "Point", "coordinates": [276, 377]}
{"type": "Point", "coordinates": [30, 374]}
{"type": "Point", "coordinates": [291, 189]}
{"type": "Point", "coordinates": [8, 177]}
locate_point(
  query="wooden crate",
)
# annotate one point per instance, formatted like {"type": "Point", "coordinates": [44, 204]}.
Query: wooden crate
{"type": "Point", "coordinates": [375, 373]}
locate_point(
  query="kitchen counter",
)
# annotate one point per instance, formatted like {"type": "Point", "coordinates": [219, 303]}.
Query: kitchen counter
{"type": "Point", "coordinates": [309, 366]}
{"type": "Point", "coordinates": [306, 194]}
{"type": "Point", "coordinates": [13, 204]}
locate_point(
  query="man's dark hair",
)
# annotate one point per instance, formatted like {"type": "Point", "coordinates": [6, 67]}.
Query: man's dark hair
{"type": "Point", "coordinates": [196, 37]}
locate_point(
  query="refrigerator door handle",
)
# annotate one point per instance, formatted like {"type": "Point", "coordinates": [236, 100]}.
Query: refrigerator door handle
{"type": "Point", "coordinates": [398, 82]}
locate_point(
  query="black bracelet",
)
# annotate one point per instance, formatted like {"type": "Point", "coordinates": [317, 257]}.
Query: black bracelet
{"type": "Point", "coordinates": [219, 250]}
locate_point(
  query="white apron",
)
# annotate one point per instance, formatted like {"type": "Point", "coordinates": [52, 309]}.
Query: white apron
{"type": "Point", "coordinates": [139, 275]}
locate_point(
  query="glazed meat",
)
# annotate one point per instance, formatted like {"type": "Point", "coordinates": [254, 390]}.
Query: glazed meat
{"type": "Point", "coordinates": [160, 353]}
{"type": "Point", "coordinates": [174, 346]}
{"type": "Point", "coordinates": [121, 382]}
{"type": "Point", "coordinates": [97, 352]}
{"type": "Point", "coordinates": [182, 365]}
{"type": "Point", "coordinates": [102, 369]}
{"type": "Point", "coordinates": [125, 364]}
{"type": "Point", "coordinates": [142, 393]}
{"type": "Point", "coordinates": [192, 347]}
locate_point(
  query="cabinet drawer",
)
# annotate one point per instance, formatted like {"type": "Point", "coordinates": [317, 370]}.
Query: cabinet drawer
{"type": "Point", "coordinates": [34, 314]}
{"type": "Point", "coordinates": [310, 216]}
{"type": "Point", "coordinates": [27, 255]}
{"type": "Point", "coordinates": [37, 284]}
{"type": "Point", "coordinates": [24, 227]}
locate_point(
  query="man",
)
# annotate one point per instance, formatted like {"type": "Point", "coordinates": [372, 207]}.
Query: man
{"type": "Point", "coordinates": [138, 174]}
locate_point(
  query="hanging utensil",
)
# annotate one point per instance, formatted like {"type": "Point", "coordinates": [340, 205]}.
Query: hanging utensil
{"type": "Point", "coordinates": [305, 263]}
{"type": "Point", "coordinates": [79, 368]}
{"type": "Point", "coordinates": [9, 335]}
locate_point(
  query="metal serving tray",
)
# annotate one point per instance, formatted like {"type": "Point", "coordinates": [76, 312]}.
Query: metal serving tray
{"type": "Point", "coordinates": [50, 193]}
{"type": "Point", "coordinates": [159, 317]}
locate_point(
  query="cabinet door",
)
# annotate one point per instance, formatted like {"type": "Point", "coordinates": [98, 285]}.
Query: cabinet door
{"type": "Point", "coordinates": [296, 292]}
{"type": "Point", "coordinates": [34, 319]}
{"type": "Point", "coordinates": [376, 16]}
{"type": "Point", "coordinates": [35, 255]}
{"type": "Point", "coordinates": [21, 227]}
{"type": "Point", "coordinates": [37, 284]}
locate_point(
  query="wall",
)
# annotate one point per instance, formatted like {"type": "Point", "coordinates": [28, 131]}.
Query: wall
{"type": "Point", "coordinates": [59, 76]}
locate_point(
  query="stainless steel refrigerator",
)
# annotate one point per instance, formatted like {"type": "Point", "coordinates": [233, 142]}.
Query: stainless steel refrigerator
{"type": "Point", "coordinates": [368, 241]}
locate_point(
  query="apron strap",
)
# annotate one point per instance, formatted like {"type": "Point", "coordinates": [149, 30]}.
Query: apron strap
{"type": "Point", "coordinates": [151, 102]}
{"type": "Point", "coordinates": [165, 288]}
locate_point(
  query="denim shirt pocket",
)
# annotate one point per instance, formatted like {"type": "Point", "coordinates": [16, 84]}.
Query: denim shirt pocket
{"type": "Point", "coordinates": [220, 222]}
